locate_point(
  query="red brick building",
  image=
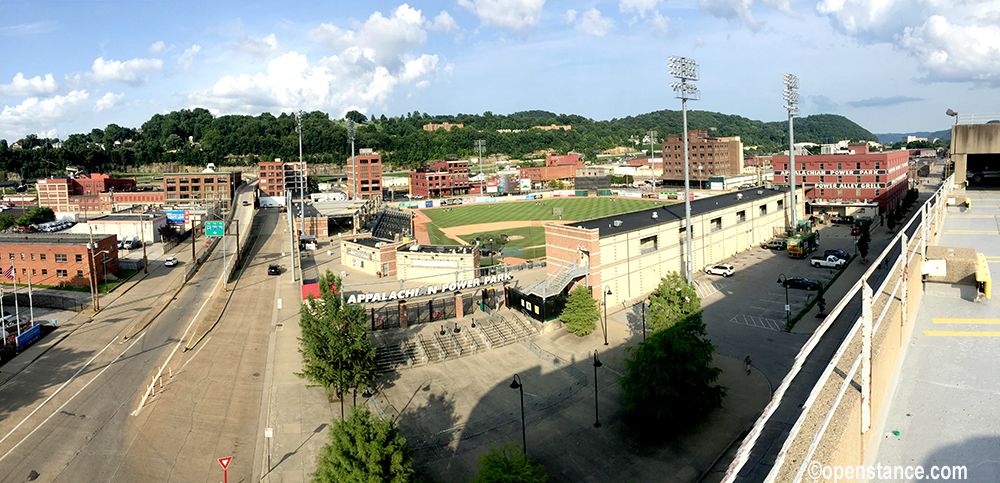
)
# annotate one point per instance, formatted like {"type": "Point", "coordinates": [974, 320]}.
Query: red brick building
{"type": "Point", "coordinates": [205, 187]}
{"type": "Point", "coordinates": [556, 167]}
{"type": "Point", "coordinates": [441, 178]}
{"type": "Point", "coordinates": [835, 182]}
{"type": "Point", "coordinates": [707, 156]}
{"type": "Point", "coordinates": [364, 175]}
{"type": "Point", "coordinates": [82, 193]}
{"type": "Point", "coordinates": [58, 259]}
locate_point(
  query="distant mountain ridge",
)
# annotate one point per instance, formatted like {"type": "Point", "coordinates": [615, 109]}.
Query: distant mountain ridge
{"type": "Point", "coordinates": [895, 137]}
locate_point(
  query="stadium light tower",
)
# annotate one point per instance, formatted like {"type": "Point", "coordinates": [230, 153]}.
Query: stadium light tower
{"type": "Point", "coordinates": [480, 145]}
{"type": "Point", "coordinates": [685, 71]}
{"type": "Point", "coordinates": [792, 105]}
{"type": "Point", "coordinates": [351, 131]}
{"type": "Point", "coordinates": [302, 177]}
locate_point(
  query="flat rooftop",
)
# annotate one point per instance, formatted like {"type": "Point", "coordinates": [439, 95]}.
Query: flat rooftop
{"type": "Point", "coordinates": [118, 217]}
{"type": "Point", "coordinates": [50, 238]}
{"type": "Point", "coordinates": [368, 241]}
{"type": "Point", "coordinates": [418, 248]}
{"type": "Point", "coordinates": [638, 220]}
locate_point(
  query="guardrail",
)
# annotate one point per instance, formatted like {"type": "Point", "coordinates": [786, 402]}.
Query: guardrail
{"type": "Point", "coordinates": [883, 293]}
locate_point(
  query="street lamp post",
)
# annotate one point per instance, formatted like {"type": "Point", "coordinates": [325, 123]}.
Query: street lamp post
{"type": "Point", "coordinates": [516, 384]}
{"type": "Point", "coordinates": [90, 276]}
{"type": "Point", "coordinates": [951, 149]}
{"type": "Point", "coordinates": [606, 293]}
{"type": "Point", "coordinates": [783, 281]}
{"type": "Point", "coordinates": [597, 417]}
{"type": "Point", "coordinates": [644, 302]}
{"type": "Point", "coordinates": [685, 71]}
{"type": "Point", "coordinates": [791, 96]}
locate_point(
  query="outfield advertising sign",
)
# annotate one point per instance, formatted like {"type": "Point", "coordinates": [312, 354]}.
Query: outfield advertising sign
{"type": "Point", "coordinates": [177, 217]}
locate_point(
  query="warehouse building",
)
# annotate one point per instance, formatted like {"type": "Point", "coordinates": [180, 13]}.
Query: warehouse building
{"type": "Point", "coordinates": [846, 183]}
{"type": "Point", "coordinates": [59, 259]}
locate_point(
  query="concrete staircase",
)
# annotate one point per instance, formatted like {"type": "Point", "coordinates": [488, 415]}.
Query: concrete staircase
{"type": "Point", "coordinates": [555, 285]}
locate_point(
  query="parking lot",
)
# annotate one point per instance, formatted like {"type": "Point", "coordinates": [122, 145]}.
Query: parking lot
{"type": "Point", "coordinates": [745, 313]}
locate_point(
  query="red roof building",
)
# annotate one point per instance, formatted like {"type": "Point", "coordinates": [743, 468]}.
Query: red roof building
{"type": "Point", "coordinates": [441, 178]}
{"type": "Point", "coordinates": [82, 193]}
{"type": "Point", "coordinates": [556, 167]}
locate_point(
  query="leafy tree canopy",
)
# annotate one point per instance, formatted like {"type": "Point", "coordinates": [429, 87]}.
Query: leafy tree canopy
{"type": "Point", "coordinates": [364, 448]}
{"type": "Point", "coordinates": [580, 313]}
{"type": "Point", "coordinates": [673, 301]}
{"type": "Point", "coordinates": [508, 464]}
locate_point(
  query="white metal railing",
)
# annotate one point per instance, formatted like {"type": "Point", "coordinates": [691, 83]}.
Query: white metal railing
{"type": "Point", "coordinates": [977, 118]}
{"type": "Point", "coordinates": [743, 452]}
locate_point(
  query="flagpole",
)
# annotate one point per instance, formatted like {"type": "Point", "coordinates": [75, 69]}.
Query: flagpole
{"type": "Point", "coordinates": [17, 309]}
{"type": "Point", "coordinates": [31, 303]}
{"type": "Point", "coordinates": [3, 324]}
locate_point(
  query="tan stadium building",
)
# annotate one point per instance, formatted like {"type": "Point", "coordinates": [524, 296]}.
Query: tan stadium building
{"type": "Point", "coordinates": [630, 253]}
{"type": "Point", "coordinates": [374, 256]}
{"type": "Point", "coordinates": [436, 263]}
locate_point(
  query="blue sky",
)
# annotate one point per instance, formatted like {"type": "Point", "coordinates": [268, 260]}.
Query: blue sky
{"type": "Point", "coordinates": [890, 65]}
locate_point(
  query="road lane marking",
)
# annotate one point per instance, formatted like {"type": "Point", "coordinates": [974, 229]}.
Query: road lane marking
{"type": "Point", "coordinates": [971, 232]}
{"type": "Point", "coordinates": [960, 333]}
{"type": "Point", "coordinates": [77, 393]}
{"type": "Point", "coordinates": [954, 320]}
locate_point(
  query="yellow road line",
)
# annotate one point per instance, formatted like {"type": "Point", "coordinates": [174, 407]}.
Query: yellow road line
{"type": "Point", "coordinates": [954, 320]}
{"type": "Point", "coordinates": [973, 216]}
{"type": "Point", "coordinates": [960, 333]}
{"type": "Point", "coordinates": [971, 232]}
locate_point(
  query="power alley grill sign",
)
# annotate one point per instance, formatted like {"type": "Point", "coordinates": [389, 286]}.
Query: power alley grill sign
{"type": "Point", "coordinates": [406, 293]}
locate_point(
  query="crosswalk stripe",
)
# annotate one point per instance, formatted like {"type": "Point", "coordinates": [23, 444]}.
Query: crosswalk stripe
{"type": "Point", "coordinates": [960, 333]}
{"type": "Point", "coordinates": [954, 320]}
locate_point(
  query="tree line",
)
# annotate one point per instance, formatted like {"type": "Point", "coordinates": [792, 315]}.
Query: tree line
{"type": "Point", "coordinates": [196, 137]}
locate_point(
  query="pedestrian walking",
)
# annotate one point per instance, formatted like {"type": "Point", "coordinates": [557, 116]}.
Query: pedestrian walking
{"type": "Point", "coordinates": [747, 361]}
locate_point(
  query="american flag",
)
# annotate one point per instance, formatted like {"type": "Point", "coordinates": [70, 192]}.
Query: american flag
{"type": "Point", "coordinates": [9, 273]}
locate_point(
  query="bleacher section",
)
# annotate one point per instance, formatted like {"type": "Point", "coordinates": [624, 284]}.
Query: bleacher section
{"type": "Point", "coordinates": [391, 224]}
{"type": "Point", "coordinates": [442, 343]}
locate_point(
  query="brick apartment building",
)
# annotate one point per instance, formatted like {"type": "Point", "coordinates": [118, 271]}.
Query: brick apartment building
{"type": "Point", "coordinates": [364, 175]}
{"type": "Point", "coordinates": [447, 126]}
{"type": "Point", "coordinates": [83, 193]}
{"type": "Point", "coordinates": [278, 178]}
{"type": "Point", "coordinates": [197, 188]}
{"type": "Point", "coordinates": [441, 178]}
{"type": "Point", "coordinates": [707, 155]}
{"type": "Point", "coordinates": [58, 259]}
{"type": "Point", "coordinates": [556, 167]}
{"type": "Point", "coordinates": [843, 183]}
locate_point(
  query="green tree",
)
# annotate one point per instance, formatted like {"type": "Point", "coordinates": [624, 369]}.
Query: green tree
{"type": "Point", "coordinates": [7, 220]}
{"type": "Point", "coordinates": [580, 313]}
{"type": "Point", "coordinates": [37, 215]}
{"type": "Point", "coordinates": [508, 464]}
{"type": "Point", "coordinates": [336, 350]}
{"type": "Point", "coordinates": [673, 301]}
{"type": "Point", "coordinates": [670, 382]}
{"type": "Point", "coordinates": [364, 448]}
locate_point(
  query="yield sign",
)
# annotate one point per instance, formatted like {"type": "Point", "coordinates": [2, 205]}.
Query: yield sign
{"type": "Point", "coordinates": [225, 462]}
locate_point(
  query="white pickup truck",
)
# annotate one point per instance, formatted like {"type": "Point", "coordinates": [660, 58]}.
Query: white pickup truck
{"type": "Point", "coordinates": [830, 261]}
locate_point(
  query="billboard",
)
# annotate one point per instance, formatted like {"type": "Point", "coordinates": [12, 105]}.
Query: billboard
{"type": "Point", "coordinates": [177, 217]}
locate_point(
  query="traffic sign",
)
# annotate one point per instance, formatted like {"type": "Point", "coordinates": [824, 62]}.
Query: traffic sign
{"type": "Point", "coordinates": [215, 228]}
{"type": "Point", "coordinates": [225, 462]}
{"type": "Point", "coordinates": [268, 432]}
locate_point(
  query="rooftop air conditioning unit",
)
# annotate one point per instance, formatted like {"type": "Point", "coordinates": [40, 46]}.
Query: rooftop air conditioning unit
{"type": "Point", "coordinates": [617, 223]}
{"type": "Point", "coordinates": [739, 196]}
{"type": "Point", "coordinates": [760, 192]}
{"type": "Point", "coordinates": [655, 215]}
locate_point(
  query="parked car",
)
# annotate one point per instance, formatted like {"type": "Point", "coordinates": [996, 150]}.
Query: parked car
{"type": "Point", "coordinates": [274, 269]}
{"type": "Point", "coordinates": [831, 261]}
{"type": "Point", "coordinates": [170, 262]}
{"type": "Point", "coordinates": [802, 283]}
{"type": "Point", "coordinates": [776, 244]}
{"type": "Point", "coordinates": [246, 203]}
{"type": "Point", "coordinates": [724, 269]}
{"type": "Point", "coordinates": [843, 220]}
{"type": "Point", "coordinates": [837, 253]}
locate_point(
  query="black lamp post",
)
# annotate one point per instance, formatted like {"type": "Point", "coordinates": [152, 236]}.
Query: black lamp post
{"type": "Point", "coordinates": [597, 417]}
{"type": "Point", "coordinates": [783, 281]}
{"type": "Point", "coordinates": [608, 292]}
{"type": "Point", "coordinates": [516, 384]}
{"type": "Point", "coordinates": [644, 302]}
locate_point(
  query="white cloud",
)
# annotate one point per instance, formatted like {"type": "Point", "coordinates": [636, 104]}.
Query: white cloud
{"type": "Point", "coordinates": [732, 10]}
{"type": "Point", "coordinates": [108, 100]}
{"type": "Point", "coordinates": [258, 47]}
{"type": "Point", "coordinates": [381, 39]}
{"type": "Point", "coordinates": [187, 57]}
{"type": "Point", "coordinates": [511, 14]}
{"type": "Point", "coordinates": [782, 5]}
{"type": "Point", "coordinates": [952, 41]}
{"type": "Point", "coordinates": [660, 23]}
{"type": "Point", "coordinates": [38, 115]}
{"type": "Point", "coordinates": [132, 71]}
{"type": "Point", "coordinates": [638, 7]}
{"type": "Point", "coordinates": [158, 47]}
{"type": "Point", "coordinates": [23, 86]}
{"type": "Point", "coordinates": [443, 22]}
{"type": "Point", "coordinates": [570, 16]}
{"type": "Point", "coordinates": [593, 23]}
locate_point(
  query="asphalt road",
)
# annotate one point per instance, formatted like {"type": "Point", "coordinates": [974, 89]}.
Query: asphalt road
{"type": "Point", "coordinates": [67, 416]}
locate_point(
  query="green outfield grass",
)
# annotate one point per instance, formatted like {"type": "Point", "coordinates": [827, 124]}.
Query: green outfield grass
{"type": "Point", "coordinates": [529, 242]}
{"type": "Point", "coordinates": [574, 209]}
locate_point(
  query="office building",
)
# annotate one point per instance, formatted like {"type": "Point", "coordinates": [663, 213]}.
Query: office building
{"type": "Point", "coordinates": [441, 178]}
{"type": "Point", "coordinates": [207, 187]}
{"type": "Point", "coordinates": [55, 259]}
{"type": "Point", "coordinates": [845, 183]}
{"type": "Point", "coordinates": [364, 175]}
{"type": "Point", "coordinates": [708, 156]}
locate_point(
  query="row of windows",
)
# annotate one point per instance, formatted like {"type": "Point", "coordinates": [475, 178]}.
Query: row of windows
{"type": "Point", "coordinates": [60, 257]}
{"type": "Point", "coordinates": [60, 273]}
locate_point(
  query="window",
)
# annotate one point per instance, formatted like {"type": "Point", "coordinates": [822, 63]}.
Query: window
{"type": "Point", "coordinates": [647, 245]}
{"type": "Point", "coordinates": [11, 256]}
{"type": "Point", "coordinates": [61, 273]}
{"type": "Point", "coordinates": [34, 272]}
{"type": "Point", "coordinates": [45, 271]}
{"type": "Point", "coordinates": [716, 224]}
{"type": "Point", "coordinates": [763, 209]}
{"type": "Point", "coordinates": [60, 257]}
{"type": "Point", "coordinates": [32, 256]}
{"type": "Point", "coordinates": [79, 273]}
{"type": "Point", "coordinates": [41, 256]}
{"type": "Point", "coordinates": [79, 258]}
{"type": "Point", "coordinates": [781, 204]}
{"type": "Point", "coordinates": [741, 216]}
{"type": "Point", "coordinates": [22, 256]}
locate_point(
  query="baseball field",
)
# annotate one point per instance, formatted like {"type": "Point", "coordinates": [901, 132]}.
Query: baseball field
{"type": "Point", "coordinates": [521, 221]}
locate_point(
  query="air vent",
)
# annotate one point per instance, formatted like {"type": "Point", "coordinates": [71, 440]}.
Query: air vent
{"type": "Point", "coordinates": [760, 192]}
{"type": "Point", "coordinates": [617, 223]}
{"type": "Point", "coordinates": [655, 215]}
{"type": "Point", "coordinates": [739, 196]}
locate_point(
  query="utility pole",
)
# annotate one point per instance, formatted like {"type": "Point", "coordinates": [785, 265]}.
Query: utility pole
{"type": "Point", "coordinates": [142, 236]}
{"type": "Point", "coordinates": [685, 71]}
{"type": "Point", "coordinates": [792, 105]}
{"type": "Point", "coordinates": [356, 181]}
{"type": "Point", "coordinates": [480, 144]}
{"type": "Point", "coordinates": [91, 246]}
{"type": "Point", "coordinates": [302, 176]}
{"type": "Point", "coordinates": [652, 138]}
{"type": "Point", "coordinates": [291, 234]}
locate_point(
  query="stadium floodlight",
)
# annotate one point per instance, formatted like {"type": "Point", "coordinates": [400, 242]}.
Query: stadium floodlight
{"type": "Point", "coordinates": [685, 70]}
{"type": "Point", "coordinates": [791, 96]}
